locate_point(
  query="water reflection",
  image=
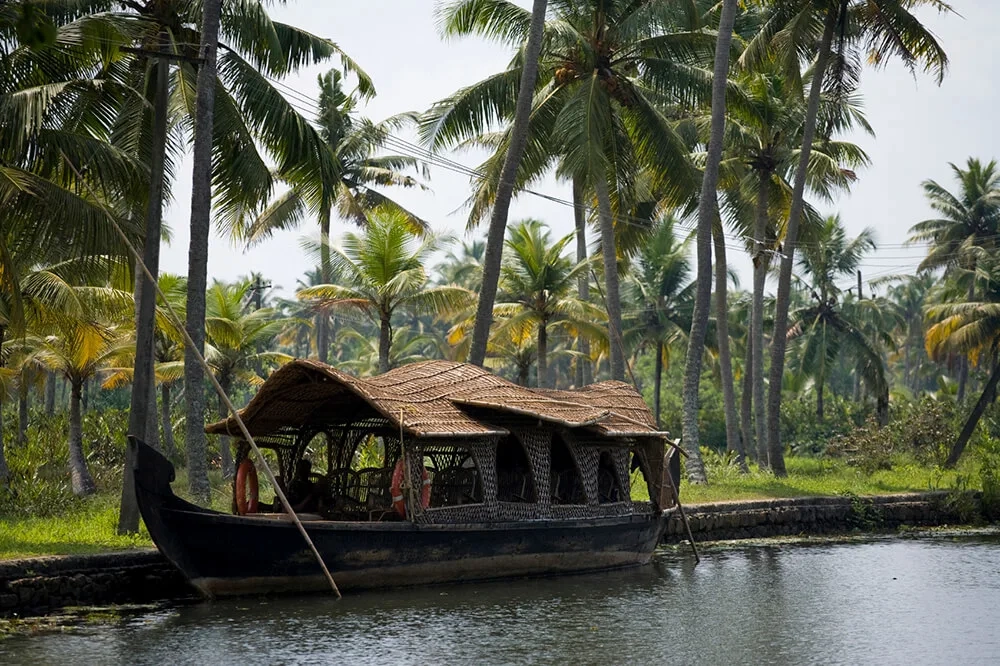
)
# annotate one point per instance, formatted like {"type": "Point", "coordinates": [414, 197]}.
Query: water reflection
{"type": "Point", "coordinates": [899, 601]}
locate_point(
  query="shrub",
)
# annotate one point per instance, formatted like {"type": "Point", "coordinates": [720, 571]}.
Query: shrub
{"type": "Point", "coordinates": [39, 480]}
{"type": "Point", "coordinates": [922, 429]}
{"type": "Point", "coordinates": [805, 434]}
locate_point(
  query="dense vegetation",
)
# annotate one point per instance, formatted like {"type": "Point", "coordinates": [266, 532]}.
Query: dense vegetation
{"type": "Point", "coordinates": [673, 149]}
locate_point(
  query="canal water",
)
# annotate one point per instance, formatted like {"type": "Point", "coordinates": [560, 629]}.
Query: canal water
{"type": "Point", "coordinates": [932, 600]}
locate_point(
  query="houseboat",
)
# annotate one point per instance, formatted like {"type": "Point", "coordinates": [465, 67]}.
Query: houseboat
{"type": "Point", "coordinates": [432, 472]}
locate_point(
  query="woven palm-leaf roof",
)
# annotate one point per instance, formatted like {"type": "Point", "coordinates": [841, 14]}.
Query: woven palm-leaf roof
{"type": "Point", "coordinates": [432, 399]}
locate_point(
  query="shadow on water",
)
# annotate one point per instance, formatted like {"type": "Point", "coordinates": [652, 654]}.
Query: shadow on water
{"type": "Point", "coordinates": [928, 600]}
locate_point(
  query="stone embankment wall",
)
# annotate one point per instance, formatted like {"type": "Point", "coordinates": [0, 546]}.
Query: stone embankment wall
{"type": "Point", "coordinates": [760, 519]}
{"type": "Point", "coordinates": [40, 584]}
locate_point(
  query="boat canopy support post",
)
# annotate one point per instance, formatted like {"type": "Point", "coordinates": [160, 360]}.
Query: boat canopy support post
{"type": "Point", "coordinates": [211, 376]}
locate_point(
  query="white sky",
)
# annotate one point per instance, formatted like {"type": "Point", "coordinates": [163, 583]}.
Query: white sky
{"type": "Point", "coordinates": [920, 127]}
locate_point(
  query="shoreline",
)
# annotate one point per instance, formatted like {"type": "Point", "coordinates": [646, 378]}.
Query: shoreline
{"type": "Point", "coordinates": [39, 586]}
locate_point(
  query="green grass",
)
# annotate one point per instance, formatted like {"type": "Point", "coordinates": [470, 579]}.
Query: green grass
{"type": "Point", "coordinates": [817, 476]}
{"type": "Point", "coordinates": [90, 525]}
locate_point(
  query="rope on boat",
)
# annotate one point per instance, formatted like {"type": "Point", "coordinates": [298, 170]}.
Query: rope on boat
{"type": "Point", "coordinates": [670, 477]}
{"type": "Point", "coordinates": [208, 371]}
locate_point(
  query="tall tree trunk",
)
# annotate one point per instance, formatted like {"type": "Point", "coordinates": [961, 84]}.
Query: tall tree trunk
{"type": "Point", "coordinates": [746, 401]}
{"type": "Point", "coordinates": [80, 478]}
{"type": "Point", "coordinates": [141, 413]}
{"type": "Point", "coordinates": [50, 393]}
{"type": "Point", "coordinates": [225, 454]}
{"type": "Point", "coordinates": [86, 394]}
{"type": "Point", "coordinates": [153, 422]}
{"type": "Point", "coordinates": [733, 441]}
{"type": "Point", "coordinates": [22, 411]}
{"type": "Point", "coordinates": [776, 458]}
{"type": "Point", "coordinates": [612, 293]}
{"type": "Point", "coordinates": [963, 367]}
{"type": "Point", "coordinates": [543, 357]}
{"type": "Point", "coordinates": [658, 384]}
{"type": "Point", "coordinates": [169, 450]}
{"type": "Point", "coordinates": [708, 210]}
{"type": "Point", "coordinates": [985, 398]}
{"type": "Point", "coordinates": [4, 470]}
{"type": "Point", "coordinates": [505, 188]}
{"type": "Point", "coordinates": [584, 372]}
{"type": "Point", "coordinates": [760, 264]}
{"type": "Point", "coordinates": [201, 209]}
{"type": "Point", "coordinates": [326, 277]}
{"type": "Point", "coordinates": [384, 343]}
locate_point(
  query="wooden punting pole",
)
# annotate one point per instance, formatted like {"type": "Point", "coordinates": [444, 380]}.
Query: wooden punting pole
{"type": "Point", "coordinates": [215, 383]}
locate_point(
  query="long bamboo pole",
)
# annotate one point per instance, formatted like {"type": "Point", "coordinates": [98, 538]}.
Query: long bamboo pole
{"type": "Point", "coordinates": [211, 376]}
{"type": "Point", "coordinates": [617, 339]}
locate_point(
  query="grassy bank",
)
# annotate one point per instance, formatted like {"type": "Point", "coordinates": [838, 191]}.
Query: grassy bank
{"type": "Point", "coordinates": [809, 476]}
{"type": "Point", "coordinates": [89, 525]}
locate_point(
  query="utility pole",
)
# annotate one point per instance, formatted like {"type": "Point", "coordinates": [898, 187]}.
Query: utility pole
{"type": "Point", "coordinates": [859, 285]}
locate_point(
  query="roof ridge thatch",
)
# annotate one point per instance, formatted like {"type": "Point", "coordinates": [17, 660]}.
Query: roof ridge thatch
{"type": "Point", "coordinates": [431, 399]}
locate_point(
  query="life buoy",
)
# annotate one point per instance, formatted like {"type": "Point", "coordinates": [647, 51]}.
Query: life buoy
{"type": "Point", "coordinates": [398, 503]}
{"type": "Point", "coordinates": [246, 488]}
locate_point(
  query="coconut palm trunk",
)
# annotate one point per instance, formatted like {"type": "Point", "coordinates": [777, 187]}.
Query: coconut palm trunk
{"type": "Point", "coordinates": [708, 210]}
{"type": "Point", "coordinates": [326, 277]}
{"type": "Point", "coordinates": [746, 402]}
{"type": "Point", "coordinates": [505, 188]}
{"type": "Point", "coordinates": [733, 441]}
{"type": "Point", "coordinates": [776, 458]}
{"type": "Point", "coordinates": [225, 454]}
{"type": "Point", "coordinates": [612, 292]}
{"type": "Point", "coordinates": [169, 450]}
{"type": "Point", "coordinates": [963, 363]}
{"type": "Point", "coordinates": [50, 393]}
{"type": "Point", "coordinates": [584, 373]}
{"type": "Point", "coordinates": [22, 411]}
{"type": "Point", "coordinates": [658, 383]}
{"type": "Point", "coordinates": [4, 470]}
{"type": "Point", "coordinates": [543, 356]}
{"type": "Point", "coordinates": [201, 209]}
{"type": "Point", "coordinates": [141, 412]}
{"type": "Point", "coordinates": [384, 343]}
{"type": "Point", "coordinates": [985, 399]}
{"type": "Point", "coordinates": [80, 478]}
{"type": "Point", "coordinates": [760, 263]}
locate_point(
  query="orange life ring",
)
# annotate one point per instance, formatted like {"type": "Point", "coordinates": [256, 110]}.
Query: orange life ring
{"type": "Point", "coordinates": [247, 492]}
{"type": "Point", "coordinates": [398, 503]}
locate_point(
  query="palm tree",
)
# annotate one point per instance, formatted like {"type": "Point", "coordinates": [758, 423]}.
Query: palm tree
{"type": "Point", "coordinates": [408, 346]}
{"type": "Point", "coordinates": [384, 271]}
{"type": "Point", "coordinates": [825, 326]}
{"type": "Point", "coordinates": [511, 162]}
{"type": "Point", "coordinates": [352, 187]}
{"type": "Point", "coordinates": [708, 213]}
{"type": "Point", "coordinates": [971, 328]}
{"type": "Point", "coordinates": [969, 224]}
{"type": "Point", "coordinates": [607, 70]}
{"type": "Point", "coordinates": [78, 348]}
{"type": "Point", "coordinates": [763, 145]}
{"type": "Point", "coordinates": [659, 288]}
{"type": "Point", "coordinates": [465, 267]}
{"type": "Point", "coordinates": [836, 32]}
{"type": "Point", "coordinates": [536, 282]}
{"type": "Point", "coordinates": [235, 340]}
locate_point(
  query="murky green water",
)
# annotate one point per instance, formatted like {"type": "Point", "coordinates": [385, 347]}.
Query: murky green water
{"type": "Point", "coordinates": [902, 601]}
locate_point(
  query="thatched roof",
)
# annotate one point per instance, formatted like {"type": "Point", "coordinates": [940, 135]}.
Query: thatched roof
{"type": "Point", "coordinates": [434, 399]}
